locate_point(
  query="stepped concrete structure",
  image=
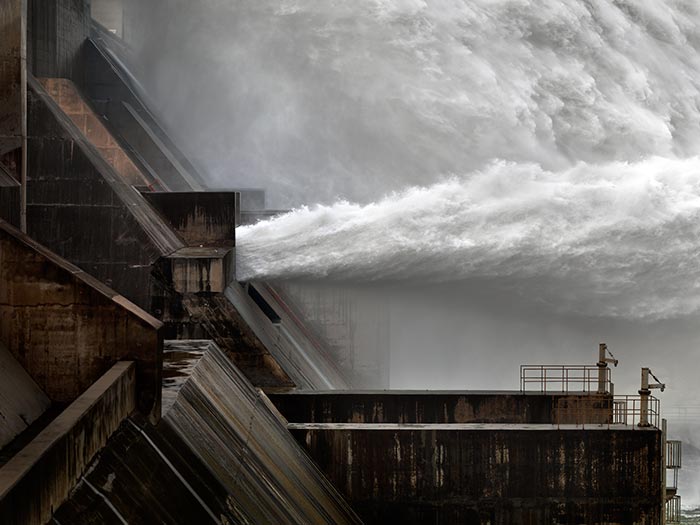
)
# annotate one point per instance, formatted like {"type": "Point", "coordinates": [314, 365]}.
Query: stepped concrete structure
{"type": "Point", "coordinates": [143, 383]}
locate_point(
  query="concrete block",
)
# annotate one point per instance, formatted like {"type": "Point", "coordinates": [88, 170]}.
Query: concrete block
{"type": "Point", "coordinates": [202, 270]}
{"type": "Point", "coordinates": [200, 218]}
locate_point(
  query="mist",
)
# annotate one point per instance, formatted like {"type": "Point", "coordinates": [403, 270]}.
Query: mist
{"type": "Point", "coordinates": [514, 181]}
{"type": "Point", "coordinates": [325, 101]}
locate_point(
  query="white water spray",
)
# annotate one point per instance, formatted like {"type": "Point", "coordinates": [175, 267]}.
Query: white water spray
{"type": "Point", "coordinates": [593, 106]}
{"type": "Point", "coordinates": [614, 239]}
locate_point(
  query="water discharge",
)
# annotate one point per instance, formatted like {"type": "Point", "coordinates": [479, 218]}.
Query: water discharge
{"type": "Point", "coordinates": [616, 239]}
{"type": "Point", "coordinates": [549, 147]}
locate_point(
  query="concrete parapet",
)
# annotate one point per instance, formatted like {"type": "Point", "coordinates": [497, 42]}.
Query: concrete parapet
{"type": "Point", "coordinates": [496, 474]}
{"type": "Point", "coordinates": [66, 328]}
{"type": "Point", "coordinates": [443, 407]}
{"type": "Point", "coordinates": [39, 478]}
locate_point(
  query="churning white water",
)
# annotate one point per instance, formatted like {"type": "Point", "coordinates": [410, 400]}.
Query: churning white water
{"type": "Point", "coordinates": [616, 239]}
{"type": "Point", "coordinates": [549, 147]}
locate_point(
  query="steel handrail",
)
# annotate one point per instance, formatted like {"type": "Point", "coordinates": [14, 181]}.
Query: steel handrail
{"type": "Point", "coordinates": [569, 378]}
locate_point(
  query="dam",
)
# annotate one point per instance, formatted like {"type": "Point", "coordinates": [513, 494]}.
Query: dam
{"type": "Point", "coordinates": [142, 382]}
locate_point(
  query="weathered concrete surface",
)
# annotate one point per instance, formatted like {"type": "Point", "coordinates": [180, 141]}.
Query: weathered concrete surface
{"type": "Point", "coordinates": [9, 197]}
{"type": "Point", "coordinates": [66, 328]}
{"type": "Point", "coordinates": [200, 218]}
{"type": "Point", "coordinates": [286, 337]}
{"type": "Point", "coordinates": [39, 478]}
{"type": "Point", "coordinates": [111, 92]}
{"type": "Point", "coordinates": [397, 406]}
{"type": "Point", "coordinates": [214, 317]}
{"type": "Point", "coordinates": [220, 453]}
{"type": "Point", "coordinates": [10, 75]}
{"type": "Point", "coordinates": [21, 399]}
{"type": "Point", "coordinates": [80, 208]}
{"type": "Point", "coordinates": [495, 476]}
{"type": "Point", "coordinates": [201, 270]}
{"type": "Point", "coordinates": [56, 32]}
{"type": "Point", "coordinates": [146, 475]}
{"type": "Point", "coordinates": [66, 95]}
{"type": "Point", "coordinates": [239, 435]}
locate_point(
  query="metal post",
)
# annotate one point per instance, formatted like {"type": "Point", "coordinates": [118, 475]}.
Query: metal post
{"type": "Point", "coordinates": [602, 367]}
{"type": "Point", "coordinates": [644, 394]}
{"type": "Point", "coordinates": [663, 470]}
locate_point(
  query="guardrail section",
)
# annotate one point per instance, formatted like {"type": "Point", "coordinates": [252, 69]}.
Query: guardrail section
{"type": "Point", "coordinates": [563, 378]}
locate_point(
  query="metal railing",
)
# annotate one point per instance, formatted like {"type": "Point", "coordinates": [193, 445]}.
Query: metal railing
{"type": "Point", "coordinates": [674, 451]}
{"type": "Point", "coordinates": [682, 413]}
{"type": "Point", "coordinates": [618, 410]}
{"type": "Point", "coordinates": [673, 510]}
{"type": "Point", "coordinates": [627, 410]}
{"type": "Point", "coordinates": [561, 378]}
{"type": "Point", "coordinates": [673, 464]}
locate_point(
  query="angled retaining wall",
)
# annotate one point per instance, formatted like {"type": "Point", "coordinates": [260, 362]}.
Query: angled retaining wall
{"type": "Point", "coordinates": [39, 478]}
{"type": "Point", "coordinates": [66, 328]}
{"type": "Point", "coordinates": [221, 454]}
{"type": "Point", "coordinates": [81, 208]}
